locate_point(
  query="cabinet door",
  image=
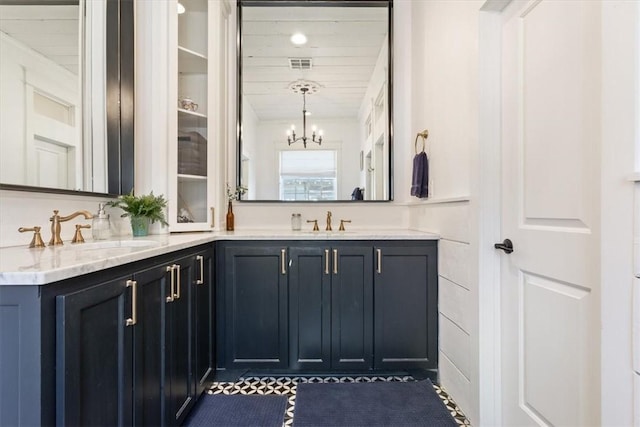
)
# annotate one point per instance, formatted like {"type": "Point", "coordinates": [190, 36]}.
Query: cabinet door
{"type": "Point", "coordinates": [310, 308]}
{"type": "Point", "coordinates": [204, 319]}
{"type": "Point", "coordinates": [192, 117]}
{"type": "Point", "coordinates": [352, 307]}
{"type": "Point", "coordinates": [94, 345]}
{"type": "Point", "coordinates": [406, 314]}
{"type": "Point", "coordinates": [149, 333]}
{"type": "Point", "coordinates": [255, 280]}
{"type": "Point", "coordinates": [180, 385]}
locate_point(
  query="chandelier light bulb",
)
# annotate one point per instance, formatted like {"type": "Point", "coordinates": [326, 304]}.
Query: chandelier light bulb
{"type": "Point", "coordinates": [181, 9]}
{"type": "Point", "coordinates": [288, 132]}
{"type": "Point", "coordinates": [321, 133]}
{"type": "Point", "coordinates": [293, 127]}
{"type": "Point", "coordinates": [314, 128]}
{"type": "Point", "coordinates": [298, 39]}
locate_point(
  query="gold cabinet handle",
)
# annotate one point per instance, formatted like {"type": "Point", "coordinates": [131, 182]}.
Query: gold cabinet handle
{"type": "Point", "coordinates": [200, 281]}
{"type": "Point", "coordinates": [213, 216]}
{"type": "Point", "coordinates": [379, 256]}
{"type": "Point", "coordinates": [283, 255]}
{"type": "Point", "coordinates": [172, 290]}
{"type": "Point", "coordinates": [326, 261]}
{"type": "Point", "coordinates": [177, 267]}
{"type": "Point", "coordinates": [335, 261]}
{"type": "Point", "coordinates": [134, 303]}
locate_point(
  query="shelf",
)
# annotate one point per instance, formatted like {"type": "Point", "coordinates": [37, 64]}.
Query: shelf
{"type": "Point", "coordinates": [191, 119]}
{"type": "Point", "coordinates": [190, 62]}
{"type": "Point", "coordinates": [185, 178]}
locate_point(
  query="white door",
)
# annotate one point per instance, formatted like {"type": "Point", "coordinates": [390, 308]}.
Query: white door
{"type": "Point", "coordinates": [550, 198]}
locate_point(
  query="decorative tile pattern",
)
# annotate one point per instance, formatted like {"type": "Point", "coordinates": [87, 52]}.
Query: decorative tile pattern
{"type": "Point", "coordinates": [288, 386]}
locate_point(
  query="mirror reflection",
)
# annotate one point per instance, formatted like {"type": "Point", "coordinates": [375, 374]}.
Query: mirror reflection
{"type": "Point", "coordinates": [315, 101]}
{"type": "Point", "coordinates": [53, 94]}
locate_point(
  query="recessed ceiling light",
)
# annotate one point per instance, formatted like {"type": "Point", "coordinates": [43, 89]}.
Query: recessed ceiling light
{"type": "Point", "coordinates": [181, 9]}
{"type": "Point", "coordinates": [298, 39]}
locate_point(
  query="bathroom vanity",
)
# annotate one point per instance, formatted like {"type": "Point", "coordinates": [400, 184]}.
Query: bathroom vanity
{"type": "Point", "coordinates": [130, 332]}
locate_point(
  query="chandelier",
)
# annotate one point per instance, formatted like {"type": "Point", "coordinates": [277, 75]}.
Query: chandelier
{"type": "Point", "coordinates": [304, 87]}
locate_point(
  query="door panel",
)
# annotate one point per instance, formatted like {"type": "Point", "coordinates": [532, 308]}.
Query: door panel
{"type": "Point", "coordinates": [352, 308]}
{"type": "Point", "coordinates": [256, 306]}
{"type": "Point", "coordinates": [550, 194]}
{"type": "Point", "coordinates": [94, 381]}
{"type": "Point", "coordinates": [204, 303]}
{"type": "Point", "coordinates": [149, 339]}
{"type": "Point", "coordinates": [406, 311]}
{"type": "Point", "coordinates": [180, 346]}
{"type": "Point", "coordinates": [310, 308]}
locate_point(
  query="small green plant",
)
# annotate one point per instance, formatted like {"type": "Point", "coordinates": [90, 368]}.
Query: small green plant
{"type": "Point", "coordinates": [235, 195]}
{"type": "Point", "coordinates": [148, 206]}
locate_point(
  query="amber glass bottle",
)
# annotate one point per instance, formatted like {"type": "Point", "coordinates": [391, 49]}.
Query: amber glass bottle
{"type": "Point", "coordinates": [230, 217]}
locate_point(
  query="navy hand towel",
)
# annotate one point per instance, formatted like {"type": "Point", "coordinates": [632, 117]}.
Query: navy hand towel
{"type": "Point", "coordinates": [420, 177]}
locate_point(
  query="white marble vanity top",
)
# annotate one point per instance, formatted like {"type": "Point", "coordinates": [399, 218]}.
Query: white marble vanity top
{"type": "Point", "coordinates": [20, 265]}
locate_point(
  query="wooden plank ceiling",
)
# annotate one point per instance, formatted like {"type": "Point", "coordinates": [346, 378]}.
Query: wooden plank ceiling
{"type": "Point", "coordinates": [50, 29]}
{"type": "Point", "coordinates": [343, 44]}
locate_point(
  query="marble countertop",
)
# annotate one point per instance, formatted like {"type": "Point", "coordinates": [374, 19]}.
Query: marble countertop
{"type": "Point", "coordinates": [20, 265]}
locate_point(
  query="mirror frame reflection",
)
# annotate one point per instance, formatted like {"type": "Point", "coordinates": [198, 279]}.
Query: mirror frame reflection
{"type": "Point", "coordinates": [119, 101]}
{"type": "Point", "coordinates": [358, 163]}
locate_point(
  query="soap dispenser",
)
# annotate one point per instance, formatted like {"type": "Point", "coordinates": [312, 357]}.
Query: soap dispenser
{"type": "Point", "coordinates": [101, 228]}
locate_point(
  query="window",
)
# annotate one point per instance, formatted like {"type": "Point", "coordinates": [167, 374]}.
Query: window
{"type": "Point", "coordinates": [308, 175]}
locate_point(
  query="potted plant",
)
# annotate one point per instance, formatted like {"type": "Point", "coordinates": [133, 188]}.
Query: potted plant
{"type": "Point", "coordinates": [142, 210]}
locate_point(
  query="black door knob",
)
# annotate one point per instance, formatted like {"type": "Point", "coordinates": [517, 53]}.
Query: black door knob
{"type": "Point", "coordinates": [506, 246]}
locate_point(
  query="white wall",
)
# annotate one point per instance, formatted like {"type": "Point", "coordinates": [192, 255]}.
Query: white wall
{"type": "Point", "coordinates": [444, 40]}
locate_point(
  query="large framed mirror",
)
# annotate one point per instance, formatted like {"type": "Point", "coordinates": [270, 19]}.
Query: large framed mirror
{"type": "Point", "coordinates": [66, 96]}
{"type": "Point", "coordinates": [314, 100]}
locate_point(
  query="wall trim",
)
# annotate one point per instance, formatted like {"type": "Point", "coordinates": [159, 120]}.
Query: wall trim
{"type": "Point", "coordinates": [439, 200]}
{"type": "Point", "coordinates": [489, 212]}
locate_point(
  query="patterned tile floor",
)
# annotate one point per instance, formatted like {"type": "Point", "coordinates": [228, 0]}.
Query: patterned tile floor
{"type": "Point", "coordinates": [288, 385]}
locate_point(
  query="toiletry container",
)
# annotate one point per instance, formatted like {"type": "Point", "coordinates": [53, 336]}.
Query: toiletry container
{"type": "Point", "coordinates": [101, 229]}
{"type": "Point", "coordinates": [296, 222]}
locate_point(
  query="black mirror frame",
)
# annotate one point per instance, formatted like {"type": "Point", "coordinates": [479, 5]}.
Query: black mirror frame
{"type": "Point", "coordinates": [120, 105]}
{"type": "Point", "coordinates": [305, 3]}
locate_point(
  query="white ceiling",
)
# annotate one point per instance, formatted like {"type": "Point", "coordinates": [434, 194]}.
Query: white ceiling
{"type": "Point", "coordinates": [50, 30]}
{"type": "Point", "coordinates": [343, 42]}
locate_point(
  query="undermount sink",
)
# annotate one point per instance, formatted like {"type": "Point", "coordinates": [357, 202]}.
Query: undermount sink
{"type": "Point", "coordinates": [113, 244]}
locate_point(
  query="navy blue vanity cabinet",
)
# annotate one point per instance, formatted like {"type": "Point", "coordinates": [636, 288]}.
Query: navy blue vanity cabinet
{"type": "Point", "coordinates": [406, 311]}
{"type": "Point", "coordinates": [352, 306]}
{"type": "Point", "coordinates": [95, 349]}
{"type": "Point", "coordinates": [138, 349]}
{"type": "Point", "coordinates": [253, 297]}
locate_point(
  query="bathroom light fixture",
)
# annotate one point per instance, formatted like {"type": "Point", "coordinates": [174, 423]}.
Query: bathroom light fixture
{"type": "Point", "coordinates": [291, 133]}
{"type": "Point", "coordinates": [181, 9]}
{"type": "Point", "coordinates": [298, 39]}
{"type": "Point", "coordinates": [305, 87]}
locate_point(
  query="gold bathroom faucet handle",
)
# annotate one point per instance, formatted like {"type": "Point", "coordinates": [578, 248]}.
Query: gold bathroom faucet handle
{"type": "Point", "coordinates": [342, 221]}
{"type": "Point", "coordinates": [37, 241]}
{"type": "Point", "coordinates": [315, 224]}
{"type": "Point", "coordinates": [77, 238]}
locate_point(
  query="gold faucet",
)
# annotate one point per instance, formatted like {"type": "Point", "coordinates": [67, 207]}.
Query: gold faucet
{"type": "Point", "coordinates": [328, 221]}
{"type": "Point", "coordinates": [55, 224]}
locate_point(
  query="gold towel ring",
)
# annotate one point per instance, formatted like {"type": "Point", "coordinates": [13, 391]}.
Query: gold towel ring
{"type": "Point", "coordinates": [424, 134]}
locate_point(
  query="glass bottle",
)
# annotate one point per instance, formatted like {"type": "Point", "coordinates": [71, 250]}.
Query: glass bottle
{"type": "Point", "coordinates": [296, 222]}
{"type": "Point", "coordinates": [230, 217]}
